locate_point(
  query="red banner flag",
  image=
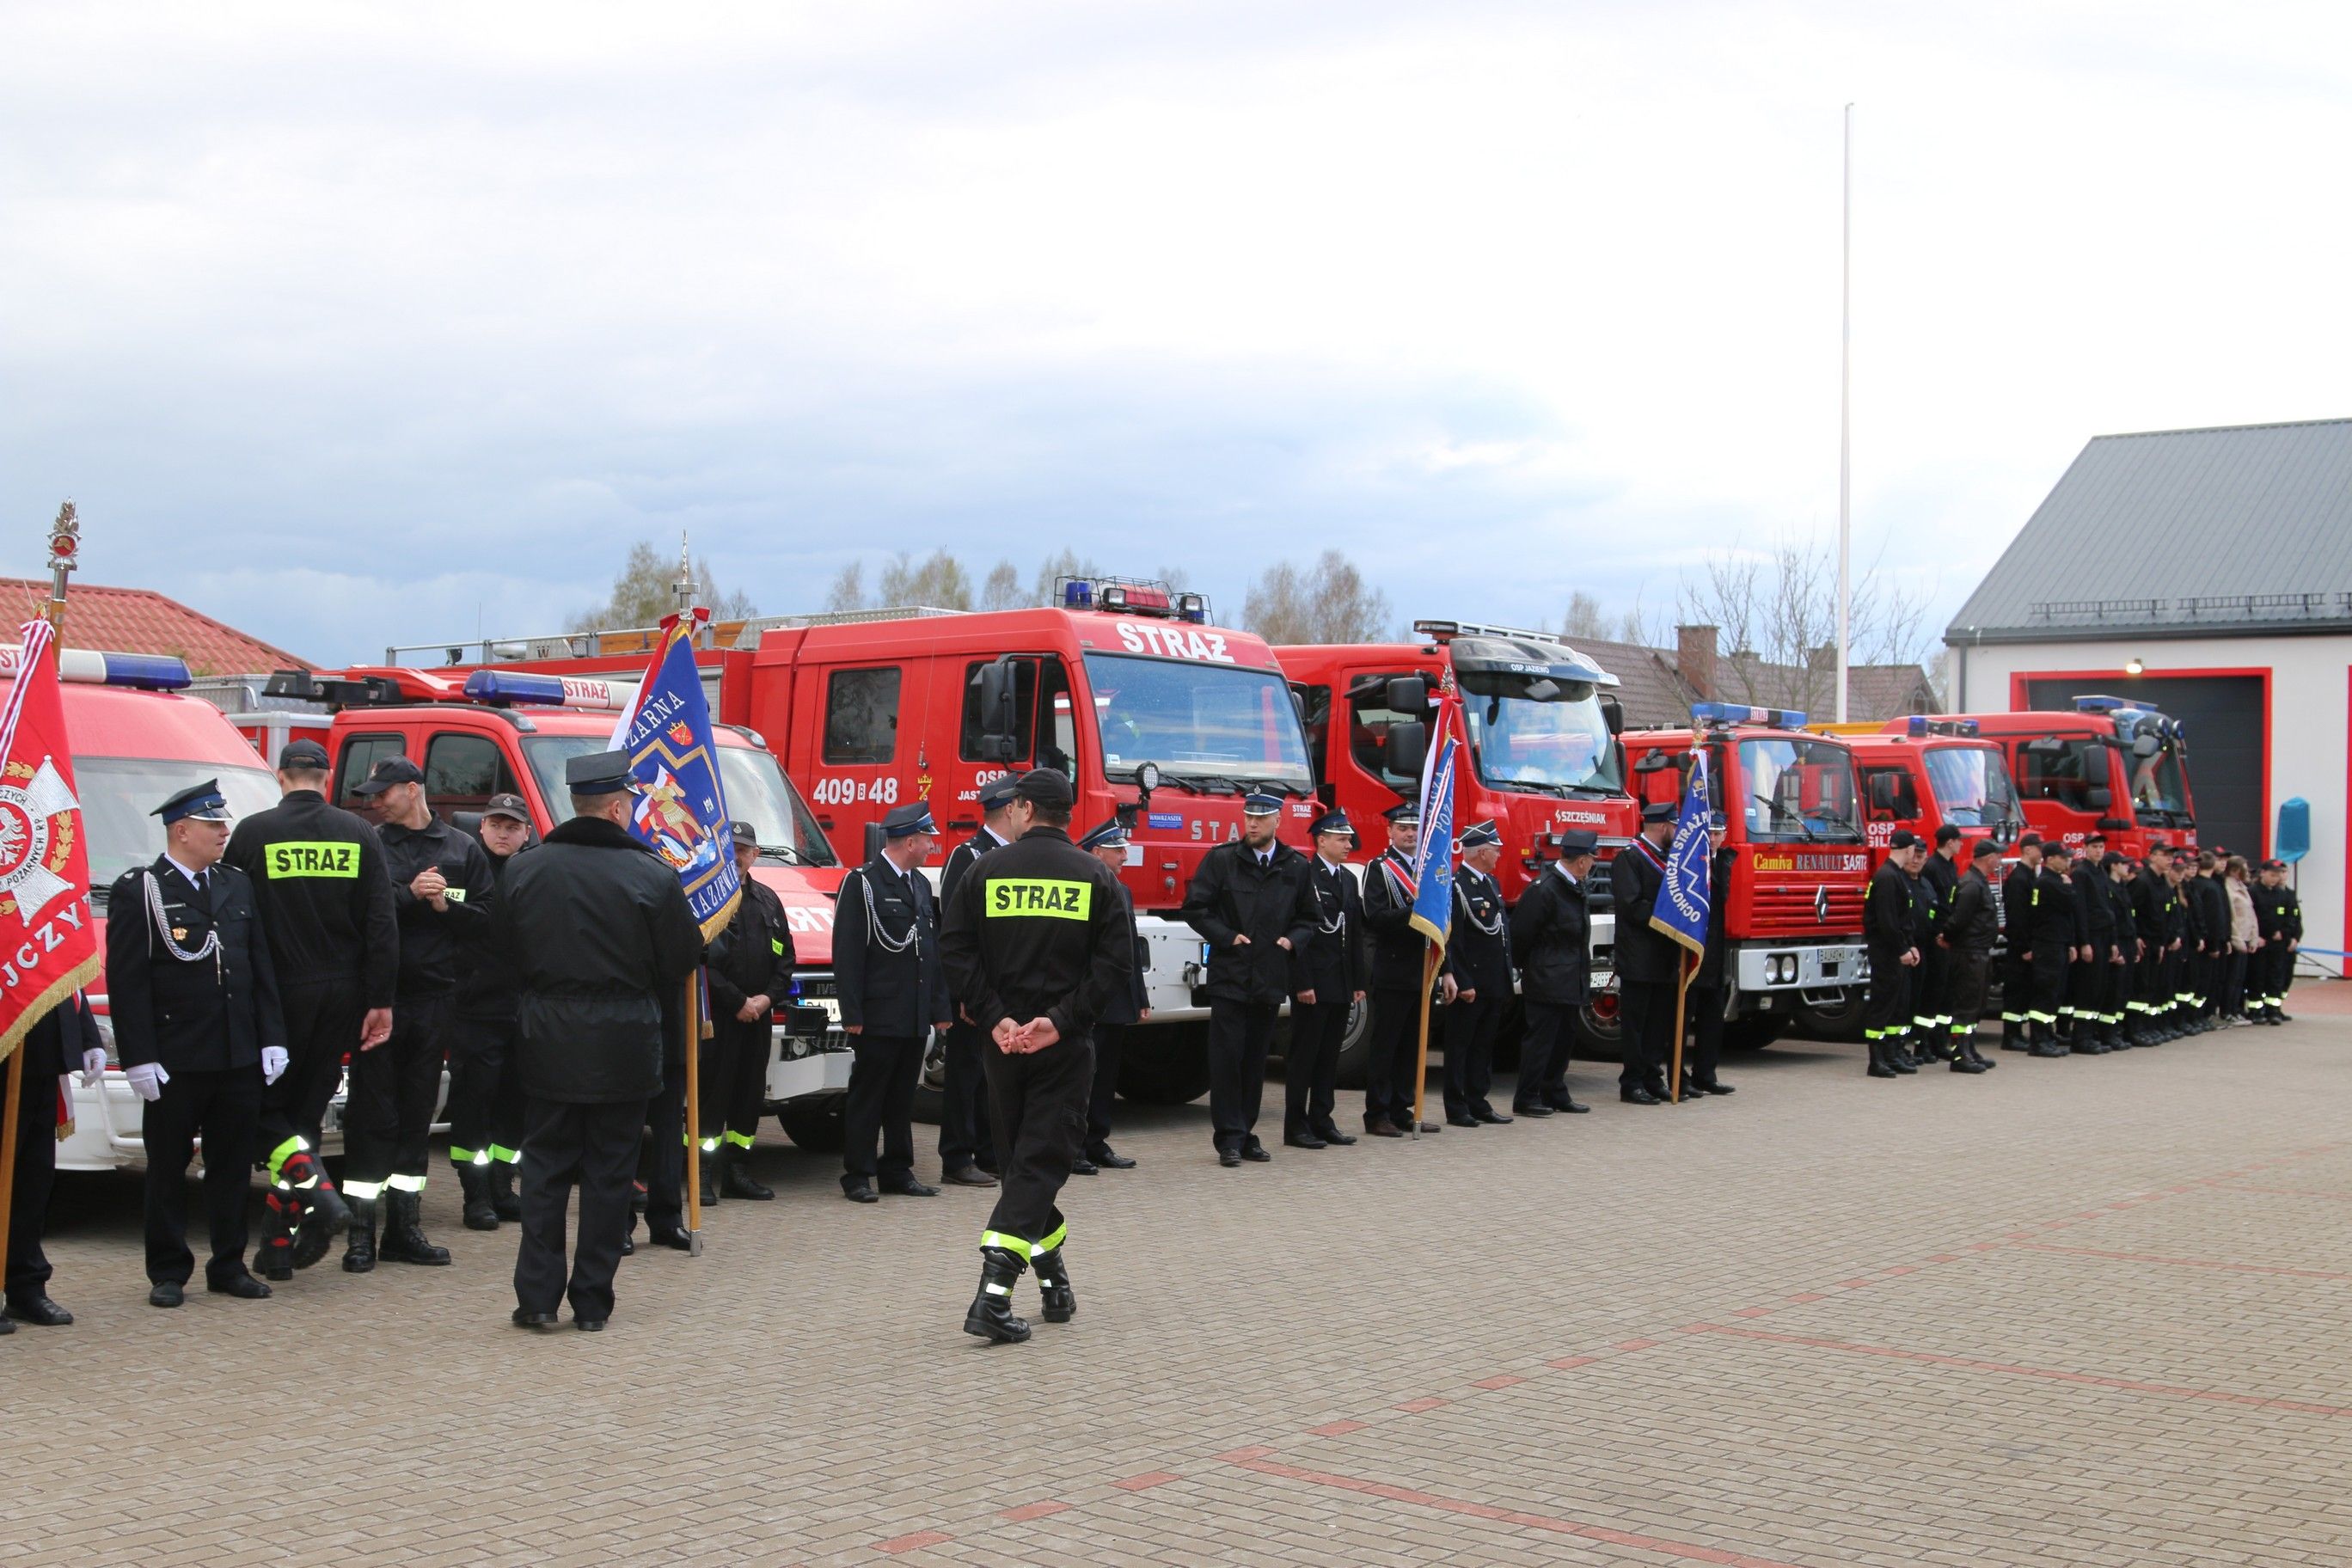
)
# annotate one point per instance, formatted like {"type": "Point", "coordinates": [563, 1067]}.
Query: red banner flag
{"type": "Point", "coordinates": [49, 949]}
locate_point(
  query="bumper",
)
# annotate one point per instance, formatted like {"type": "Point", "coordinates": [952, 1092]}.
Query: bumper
{"type": "Point", "coordinates": [1799, 966]}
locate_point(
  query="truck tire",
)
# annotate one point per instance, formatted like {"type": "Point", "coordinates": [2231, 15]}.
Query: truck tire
{"type": "Point", "coordinates": [815, 1124]}
{"type": "Point", "coordinates": [1596, 1030]}
{"type": "Point", "coordinates": [1840, 1020]}
{"type": "Point", "coordinates": [1356, 1046]}
{"type": "Point", "coordinates": [1754, 1033]}
{"type": "Point", "coordinates": [1165, 1064]}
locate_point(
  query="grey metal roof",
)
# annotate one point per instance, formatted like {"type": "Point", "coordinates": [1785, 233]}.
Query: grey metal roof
{"type": "Point", "coordinates": [2244, 529]}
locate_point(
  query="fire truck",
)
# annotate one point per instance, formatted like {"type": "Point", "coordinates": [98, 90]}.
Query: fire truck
{"type": "Point", "coordinates": [136, 739]}
{"type": "Point", "coordinates": [490, 732]}
{"type": "Point", "coordinates": [1784, 806]}
{"type": "Point", "coordinates": [2110, 766]}
{"type": "Point", "coordinates": [1158, 716]}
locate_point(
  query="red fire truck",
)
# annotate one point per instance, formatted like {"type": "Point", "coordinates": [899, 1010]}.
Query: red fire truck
{"type": "Point", "coordinates": [2110, 766]}
{"type": "Point", "coordinates": [1921, 773]}
{"type": "Point", "coordinates": [1785, 808]}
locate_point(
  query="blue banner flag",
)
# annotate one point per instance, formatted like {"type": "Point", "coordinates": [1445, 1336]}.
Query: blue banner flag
{"type": "Point", "coordinates": [1683, 900]}
{"type": "Point", "coordinates": [1432, 860]}
{"type": "Point", "coordinates": [680, 809]}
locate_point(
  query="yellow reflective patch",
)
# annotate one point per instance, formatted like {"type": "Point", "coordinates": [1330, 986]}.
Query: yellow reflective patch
{"type": "Point", "coordinates": [454, 895]}
{"type": "Point", "coordinates": [321, 860]}
{"type": "Point", "coordinates": [1041, 896]}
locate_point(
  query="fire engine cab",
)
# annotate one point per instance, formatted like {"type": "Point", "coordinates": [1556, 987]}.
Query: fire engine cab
{"type": "Point", "coordinates": [1922, 773]}
{"type": "Point", "coordinates": [2111, 766]}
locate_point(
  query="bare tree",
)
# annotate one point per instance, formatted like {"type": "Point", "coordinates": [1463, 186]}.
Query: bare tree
{"type": "Point", "coordinates": [1776, 619]}
{"type": "Point", "coordinates": [1067, 563]}
{"type": "Point", "coordinates": [1003, 589]}
{"type": "Point", "coordinates": [1330, 603]}
{"type": "Point", "coordinates": [1584, 618]}
{"type": "Point", "coordinates": [646, 589]}
{"type": "Point", "coordinates": [940, 581]}
{"type": "Point", "coordinates": [849, 591]}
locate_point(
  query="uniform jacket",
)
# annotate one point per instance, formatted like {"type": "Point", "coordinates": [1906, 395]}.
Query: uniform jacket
{"type": "Point", "coordinates": [1336, 955]}
{"type": "Point", "coordinates": [2152, 901]}
{"type": "Point", "coordinates": [485, 979]}
{"type": "Point", "coordinates": [1710, 976]}
{"type": "Point", "coordinates": [2211, 907]}
{"type": "Point", "coordinates": [2095, 916]}
{"type": "Point", "coordinates": [207, 1016]}
{"type": "Point", "coordinates": [1973, 924]}
{"type": "Point", "coordinates": [1127, 1006]}
{"type": "Point", "coordinates": [1480, 957]}
{"type": "Point", "coordinates": [885, 952]}
{"type": "Point", "coordinates": [53, 1047]}
{"type": "Point", "coordinates": [325, 895]}
{"type": "Point", "coordinates": [1925, 910]}
{"type": "Point", "coordinates": [960, 860]}
{"type": "Point", "coordinates": [431, 939]}
{"type": "Point", "coordinates": [1551, 937]}
{"type": "Point", "coordinates": [1038, 930]}
{"type": "Point", "coordinates": [598, 933]}
{"type": "Point", "coordinates": [2119, 909]}
{"type": "Point", "coordinates": [1233, 895]}
{"type": "Point", "coordinates": [1941, 880]}
{"type": "Point", "coordinates": [1398, 949]}
{"type": "Point", "coordinates": [753, 956]}
{"type": "Point", "coordinates": [2051, 919]}
{"type": "Point", "coordinates": [1635, 877]}
{"type": "Point", "coordinates": [2017, 906]}
{"type": "Point", "coordinates": [1889, 917]}
{"type": "Point", "coordinates": [2278, 914]}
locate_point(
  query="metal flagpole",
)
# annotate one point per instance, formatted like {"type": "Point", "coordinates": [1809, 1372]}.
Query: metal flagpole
{"type": "Point", "coordinates": [1845, 425]}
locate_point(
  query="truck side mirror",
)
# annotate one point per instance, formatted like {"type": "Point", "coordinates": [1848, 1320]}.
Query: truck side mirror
{"type": "Point", "coordinates": [1656, 762]}
{"type": "Point", "coordinates": [999, 717]}
{"type": "Point", "coordinates": [2097, 798]}
{"type": "Point", "coordinates": [1408, 748]}
{"type": "Point", "coordinates": [1612, 714]}
{"type": "Point", "coordinates": [1408, 694]}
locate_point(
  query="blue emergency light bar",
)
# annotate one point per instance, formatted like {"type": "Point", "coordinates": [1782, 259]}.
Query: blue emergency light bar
{"type": "Point", "coordinates": [87, 667]}
{"type": "Point", "coordinates": [1919, 724]}
{"type": "Point", "coordinates": [1740, 713]}
{"type": "Point", "coordinates": [2099, 704]}
{"type": "Point", "coordinates": [1120, 595]}
{"type": "Point", "coordinates": [507, 686]}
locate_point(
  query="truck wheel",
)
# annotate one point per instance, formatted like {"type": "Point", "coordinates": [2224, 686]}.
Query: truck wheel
{"type": "Point", "coordinates": [1838, 1020]}
{"type": "Point", "coordinates": [1752, 1033]}
{"type": "Point", "coordinates": [1356, 1046]}
{"type": "Point", "coordinates": [1598, 1035]}
{"type": "Point", "coordinates": [815, 1124]}
{"type": "Point", "coordinates": [1165, 1064]}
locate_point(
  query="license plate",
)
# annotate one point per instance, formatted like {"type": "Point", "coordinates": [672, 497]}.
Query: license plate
{"type": "Point", "coordinates": [832, 1005]}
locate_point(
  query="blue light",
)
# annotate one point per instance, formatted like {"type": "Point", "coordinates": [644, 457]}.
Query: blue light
{"type": "Point", "coordinates": [511, 686]}
{"type": "Point", "coordinates": [1918, 725]}
{"type": "Point", "coordinates": [1077, 594]}
{"type": "Point", "coordinates": [147, 671]}
{"type": "Point", "coordinates": [2099, 704]}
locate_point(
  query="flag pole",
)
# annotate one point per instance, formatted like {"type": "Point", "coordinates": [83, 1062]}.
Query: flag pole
{"type": "Point", "coordinates": [15, 1095]}
{"type": "Point", "coordinates": [1429, 962]}
{"type": "Point", "coordinates": [1682, 995]}
{"type": "Point", "coordinates": [693, 1118]}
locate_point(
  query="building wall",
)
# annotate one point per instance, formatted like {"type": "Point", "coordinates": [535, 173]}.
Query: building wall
{"type": "Point", "coordinates": [2306, 729]}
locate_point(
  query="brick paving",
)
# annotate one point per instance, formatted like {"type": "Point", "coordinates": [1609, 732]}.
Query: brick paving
{"type": "Point", "coordinates": [2090, 1311]}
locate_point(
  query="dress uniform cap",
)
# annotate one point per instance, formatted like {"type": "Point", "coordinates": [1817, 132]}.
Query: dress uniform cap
{"type": "Point", "coordinates": [399, 770]}
{"type": "Point", "coordinates": [1046, 787]}
{"type": "Point", "coordinates": [509, 806]}
{"type": "Point", "coordinates": [1333, 822]}
{"type": "Point", "coordinates": [1109, 835]}
{"type": "Point", "coordinates": [905, 821]}
{"type": "Point", "coordinates": [302, 754]}
{"type": "Point", "coordinates": [597, 773]}
{"type": "Point", "coordinates": [998, 792]}
{"type": "Point", "coordinates": [744, 835]}
{"type": "Point", "coordinates": [1660, 811]}
{"type": "Point", "coordinates": [1405, 811]}
{"type": "Point", "coordinates": [1257, 803]}
{"type": "Point", "coordinates": [1578, 841]}
{"type": "Point", "coordinates": [1478, 835]}
{"type": "Point", "coordinates": [203, 801]}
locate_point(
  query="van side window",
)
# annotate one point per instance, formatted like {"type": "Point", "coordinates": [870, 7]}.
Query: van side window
{"type": "Point", "coordinates": [861, 715]}
{"type": "Point", "coordinates": [360, 754]}
{"type": "Point", "coordinates": [462, 771]}
{"type": "Point", "coordinates": [1316, 701]}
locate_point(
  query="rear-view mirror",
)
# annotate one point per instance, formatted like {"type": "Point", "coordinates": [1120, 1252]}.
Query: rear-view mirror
{"type": "Point", "coordinates": [1408, 749]}
{"type": "Point", "coordinates": [1408, 694]}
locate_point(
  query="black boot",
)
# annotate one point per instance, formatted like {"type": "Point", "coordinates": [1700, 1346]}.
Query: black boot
{"type": "Point", "coordinates": [275, 1255]}
{"type": "Point", "coordinates": [323, 1214]}
{"type": "Point", "coordinates": [474, 1181]}
{"type": "Point", "coordinates": [1879, 1066]}
{"type": "Point", "coordinates": [711, 1178]}
{"type": "Point", "coordinates": [359, 1242]}
{"type": "Point", "coordinates": [991, 1317]}
{"type": "Point", "coordinates": [1969, 1049]}
{"type": "Point", "coordinates": [503, 1202]}
{"type": "Point", "coordinates": [403, 1237]}
{"type": "Point", "coordinates": [736, 1181]}
{"type": "Point", "coordinates": [2012, 1035]}
{"type": "Point", "coordinates": [1053, 1284]}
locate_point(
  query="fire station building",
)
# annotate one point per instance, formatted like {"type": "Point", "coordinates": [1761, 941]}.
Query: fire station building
{"type": "Point", "coordinates": [2206, 573]}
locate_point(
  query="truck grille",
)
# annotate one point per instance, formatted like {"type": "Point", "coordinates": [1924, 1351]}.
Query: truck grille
{"type": "Point", "coordinates": [1792, 911]}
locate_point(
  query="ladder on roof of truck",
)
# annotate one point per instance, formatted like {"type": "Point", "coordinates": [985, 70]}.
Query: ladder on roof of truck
{"type": "Point", "coordinates": [743, 634]}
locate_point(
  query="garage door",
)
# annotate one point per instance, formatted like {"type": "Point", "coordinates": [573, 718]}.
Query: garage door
{"type": "Point", "coordinates": [2228, 738]}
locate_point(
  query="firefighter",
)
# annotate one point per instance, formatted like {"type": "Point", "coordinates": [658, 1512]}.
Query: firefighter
{"type": "Point", "coordinates": [2151, 895]}
{"type": "Point", "coordinates": [1400, 980]}
{"type": "Point", "coordinates": [1970, 931]}
{"type": "Point", "coordinates": [885, 959]}
{"type": "Point", "coordinates": [1705, 1001]}
{"type": "Point", "coordinates": [2210, 913]}
{"type": "Point", "coordinates": [1252, 905]}
{"type": "Point", "coordinates": [1480, 956]}
{"type": "Point", "coordinates": [2017, 999]}
{"type": "Point", "coordinates": [2085, 1015]}
{"type": "Point", "coordinates": [443, 892]}
{"type": "Point", "coordinates": [319, 880]}
{"type": "Point", "coordinates": [1889, 920]}
{"type": "Point", "coordinates": [1108, 844]}
{"type": "Point", "coordinates": [1330, 973]}
{"type": "Point", "coordinates": [1551, 938]}
{"type": "Point", "coordinates": [2177, 934]}
{"type": "Point", "coordinates": [2115, 888]}
{"type": "Point", "coordinates": [194, 1001]}
{"type": "Point", "coordinates": [1649, 963]}
{"type": "Point", "coordinates": [2278, 922]}
{"type": "Point", "coordinates": [967, 1157]}
{"type": "Point", "coordinates": [1939, 879]}
{"type": "Point", "coordinates": [599, 935]}
{"type": "Point", "coordinates": [1913, 1043]}
{"type": "Point", "coordinates": [62, 1039]}
{"type": "Point", "coordinates": [485, 1108]}
{"type": "Point", "coordinates": [751, 971]}
{"type": "Point", "coordinates": [1039, 942]}
{"type": "Point", "coordinates": [2053, 928]}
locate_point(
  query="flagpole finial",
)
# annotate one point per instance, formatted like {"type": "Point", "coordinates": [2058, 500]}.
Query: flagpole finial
{"type": "Point", "coordinates": [64, 555]}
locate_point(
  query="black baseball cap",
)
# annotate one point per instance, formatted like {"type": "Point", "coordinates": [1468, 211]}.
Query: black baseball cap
{"type": "Point", "coordinates": [1047, 787]}
{"type": "Point", "coordinates": [745, 835]}
{"type": "Point", "coordinates": [389, 772]}
{"type": "Point", "coordinates": [1947, 833]}
{"type": "Point", "coordinates": [302, 754]}
{"type": "Point", "coordinates": [509, 806]}
{"type": "Point", "coordinates": [1986, 849]}
{"type": "Point", "coordinates": [1903, 840]}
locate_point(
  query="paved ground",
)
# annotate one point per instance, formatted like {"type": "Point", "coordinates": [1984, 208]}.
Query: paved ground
{"type": "Point", "coordinates": [2093, 1311]}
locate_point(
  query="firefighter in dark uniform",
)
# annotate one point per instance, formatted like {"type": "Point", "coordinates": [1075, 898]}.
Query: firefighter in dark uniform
{"type": "Point", "coordinates": [2054, 931]}
{"type": "Point", "coordinates": [2017, 999]}
{"type": "Point", "coordinates": [2176, 937]}
{"type": "Point", "coordinates": [1329, 974]}
{"type": "Point", "coordinates": [1252, 905]}
{"type": "Point", "coordinates": [2086, 1013]}
{"type": "Point", "coordinates": [2115, 886]}
{"type": "Point", "coordinates": [750, 974]}
{"type": "Point", "coordinates": [485, 1090]}
{"type": "Point", "coordinates": [599, 934]}
{"type": "Point", "coordinates": [1551, 939]}
{"type": "Point", "coordinates": [192, 997]}
{"type": "Point", "coordinates": [1939, 877]}
{"type": "Point", "coordinates": [1108, 844]}
{"type": "Point", "coordinates": [1649, 963]}
{"type": "Point", "coordinates": [61, 1040]}
{"type": "Point", "coordinates": [885, 959]}
{"type": "Point", "coordinates": [1890, 930]}
{"type": "Point", "coordinates": [1912, 1046]}
{"type": "Point", "coordinates": [1480, 956]}
{"type": "Point", "coordinates": [1969, 933]}
{"type": "Point", "coordinates": [2210, 907]}
{"type": "Point", "coordinates": [967, 1157]}
{"type": "Point", "coordinates": [1038, 943]}
{"type": "Point", "coordinates": [1400, 955]}
{"type": "Point", "coordinates": [325, 897]}
{"type": "Point", "coordinates": [2151, 897]}
{"type": "Point", "coordinates": [1704, 1002]}
{"type": "Point", "coordinates": [2278, 922]}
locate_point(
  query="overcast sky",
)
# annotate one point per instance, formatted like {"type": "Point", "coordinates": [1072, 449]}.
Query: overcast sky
{"type": "Point", "coordinates": [362, 324]}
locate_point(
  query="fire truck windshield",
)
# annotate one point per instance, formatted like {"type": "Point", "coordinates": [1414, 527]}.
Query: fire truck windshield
{"type": "Point", "coordinates": [1200, 722]}
{"type": "Point", "coordinates": [118, 795]}
{"type": "Point", "coordinates": [2158, 782]}
{"type": "Point", "coordinates": [1532, 731]}
{"type": "Point", "coordinates": [756, 793]}
{"type": "Point", "coordinates": [1971, 785]}
{"type": "Point", "coordinates": [1798, 791]}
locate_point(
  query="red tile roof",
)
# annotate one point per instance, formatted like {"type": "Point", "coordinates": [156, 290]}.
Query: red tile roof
{"type": "Point", "coordinates": [140, 620]}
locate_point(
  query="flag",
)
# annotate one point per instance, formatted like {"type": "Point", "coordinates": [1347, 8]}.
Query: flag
{"type": "Point", "coordinates": [680, 809]}
{"type": "Point", "coordinates": [1433, 861]}
{"type": "Point", "coordinates": [1682, 906]}
{"type": "Point", "coordinates": [49, 949]}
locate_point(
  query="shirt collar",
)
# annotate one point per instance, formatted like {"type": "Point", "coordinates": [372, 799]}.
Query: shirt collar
{"type": "Point", "coordinates": [195, 878]}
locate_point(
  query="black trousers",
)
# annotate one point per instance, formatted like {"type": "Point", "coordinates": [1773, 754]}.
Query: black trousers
{"type": "Point", "coordinates": [1239, 1036]}
{"type": "Point", "coordinates": [1934, 978]}
{"type": "Point", "coordinates": [323, 1023]}
{"type": "Point", "coordinates": [2282, 975]}
{"type": "Point", "coordinates": [1393, 1077]}
{"type": "Point", "coordinates": [36, 1174]}
{"type": "Point", "coordinates": [1886, 1009]}
{"type": "Point", "coordinates": [1470, 1031]}
{"type": "Point", "coordinates": [2150, 996]}
{"type": "Point", "coordinates": [388, 1117]}
{"type": "Point", "coordinates": [1970, 972]}
{"type": "Point", "coordinates": [2016, 987]}
{"type": "Point", "coordinates": [224, 1109]}
{"type": "Point", "coordinates": [594, 1148]}
{"type": "Point", "coordinates": [734, 1088]}
{"type": "Point", "coordinates": [963, 1100]}
{"type": "Point", "coordinates": [2210, 966]}
{"type": "Point", "coordinates": [1110, 1041]}
{"type": "Point", "coordinates": [2170, 981]}
{"type": "Point", "coordinates": [1645, 1014]}
{"type": "Point", "coordinates": [2051, 996]}
{"type": "Point", "coordinates": [485, 1115]}
{"type": "Point", "coordinates": [1311, 1071]}
{"type": "Point", "coordinates": [1704, 1007]}
{"type": "Point", "coordinates": [1546, 1044]}
{"type": "Point", "coordinates": [2234, 983]}
{"type": "Point", "coordinates": [881, 1105]}
{"type": "Point", "coordinates": [662, 1165]}
{"type": "Point", "coordinates": [1037, 1107]}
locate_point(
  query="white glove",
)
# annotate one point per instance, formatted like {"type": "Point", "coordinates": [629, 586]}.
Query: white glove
{"type": "Point", "coordinates": [147, 1080]}
{"type": "Point", "coordinates": [273, 1062]}
{"type": "Point", "coordinates": [93, 1067]}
